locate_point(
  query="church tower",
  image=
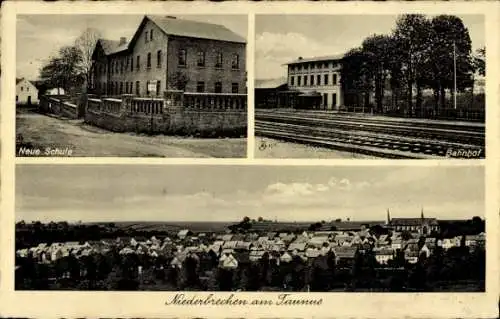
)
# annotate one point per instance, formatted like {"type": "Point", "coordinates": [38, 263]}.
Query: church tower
{"type": "Point", "coordinates": [388, 221]}
{"type": "Point", "coordinates": [422, 214]}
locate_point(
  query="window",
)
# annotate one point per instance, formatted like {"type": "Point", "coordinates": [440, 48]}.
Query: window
{"type": "Point", "coordinates": [121, 66]}
{"type": "Point", "coordinates": [27, 89]}
{"type": "Point", "coordinates": [182, 57]}
{"type": "Point", "coordinates": [334, 79]}
{"type": "Point", "coordinates": [305, 80]}
{"type": "Point", "coordinates": [131, 64]}
{"type": "Point", "coordinates": [158, 87]}
{"type": "Point", "coordinates": [235, 62]}
{"type": "Point", "coordinates": [17, 98]}
{"type": "Point", "coordinates": [218, 62]}
{"type": "Point", "coordinates": [312, 80]}
{"type": "Point", "coordinates": [137, 88]}
{"type": "Point", "coordinates": [318, 79]}
{"type": "Point", "coordinates": [325, 79]}
{"type": "Point", "coordinates": [200, 86]}
{"type": "Point", "coordinates": [218, 87]}
{"type": "Point", "coordinates": [298, 80]}
{"type": "Point", "coordinates": [146, 37]}
{"type": "Point", "coordinates": [151, 35]}
{"type": "Point", "coordinates": [234, 87]}
{"type": "Point", "coordinates": [201, 58]}
{"type": "Point", "coordinates": [148, 62]}
{"type": "Point", "coordinates": [22, 89]}
{"type": "Point", "coordinates": [334, 99]}
{"type": "Point", "coordinates": [137, 65]}
{"type": "Point", "coordinates": [126, 87]}
{"type": "Point", "coordinates": [121, 87]}
{"type": "Point", "coordinates": [158, 59]}
{"type": "Point", "coordinates": [292, 81]}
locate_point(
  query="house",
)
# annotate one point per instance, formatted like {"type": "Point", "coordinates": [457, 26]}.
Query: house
{"type": "Point", "coordinates": [448, 243]}
{"type": "Point", "coordinates": [286, 257]}
{"type": "Point", "coordinates": [397, 244]}
{"type": "Point", "coordinates": [167, 53]}
{"type": "Point", "coordinates": [346, 254]}
{"type": "Point", "coordinates": [26, 92]}
{"type": "Point", "coordinates": [182, 234]}
{"type": "Point", "coordinates": [228, 262]}
{"type": "Point", "coordinates": [384, 255]}
{"type": "Point", "coordinates": [55, 91]}
{"type": "Point", "coordinates": [426, 250]}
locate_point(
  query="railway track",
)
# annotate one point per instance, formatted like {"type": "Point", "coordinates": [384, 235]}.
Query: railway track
{"type": "Point", "coordinates": [392, 138]}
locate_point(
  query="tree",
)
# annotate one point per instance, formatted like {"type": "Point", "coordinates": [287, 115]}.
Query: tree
{"type": "Point", "coordinates": [480, 61]}
{"type": "Point", "coordinates": [450, 35]}
{"type": "Point", "coordinates": [355, 78]}
{"type": "Point", "coordinates": [63, 70]}
{"type": "Point", "coordinates": [412, 36]}
{"type": "Point", "coordinates": [376, 49]}
{"type": "Point", "coordinates": [86, 43]}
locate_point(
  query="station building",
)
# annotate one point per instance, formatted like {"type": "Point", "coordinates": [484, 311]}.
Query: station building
{"type": "Point", "coordinates": [316, 82]}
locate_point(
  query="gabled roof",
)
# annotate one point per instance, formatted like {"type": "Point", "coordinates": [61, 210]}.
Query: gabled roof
{"type": "Point", "coordinates": [111, 46]}
{"type": "Point", "coordinates": [195, 29]}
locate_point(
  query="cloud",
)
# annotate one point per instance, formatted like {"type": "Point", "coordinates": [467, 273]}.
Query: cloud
{"type": "Point", "coordinates": [272, 50]}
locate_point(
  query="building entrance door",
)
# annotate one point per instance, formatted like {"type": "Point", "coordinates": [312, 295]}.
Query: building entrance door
{"type": "Point", "coordinates": [29, 99]}
{"type": "Point", "coordinates": [325, 101]}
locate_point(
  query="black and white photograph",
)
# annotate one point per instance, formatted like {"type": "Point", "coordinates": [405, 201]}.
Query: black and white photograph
{"type": "Point", "coordinates": [370, 86]}
{"type": "Point", "coordinates": [250, 228]}
{"type": "Point", "coordinates": [131, 86]}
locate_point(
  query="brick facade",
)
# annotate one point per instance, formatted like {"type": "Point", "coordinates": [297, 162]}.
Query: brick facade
{"type": "Point", "coordinates": [119, 72]}
{"type": "Point", "coordinates": [210, 73]}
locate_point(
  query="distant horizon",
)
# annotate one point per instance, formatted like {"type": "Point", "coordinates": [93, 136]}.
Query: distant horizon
{"type": "Point", "coordinates": [228, 221]}
{"type": "Point", "coordinates": [188, 193]}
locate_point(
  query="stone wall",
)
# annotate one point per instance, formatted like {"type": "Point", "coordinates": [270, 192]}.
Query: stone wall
{"type": "Point", "coordinates": [172, 120]}
{"type": "Point", "coordinates": [58, 106]}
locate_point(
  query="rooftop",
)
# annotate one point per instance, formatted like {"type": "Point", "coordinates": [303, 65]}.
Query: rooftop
{"type": "Point", "coordinates": [195, 29]}
{"type": "Point", "coordinates": [335, 57]}
{"type": "Point", "coordinates": [178, 27]}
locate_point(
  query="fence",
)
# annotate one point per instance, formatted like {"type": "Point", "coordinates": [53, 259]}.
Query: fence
{"type": "Point", "coordinates": [204, 114]}
{"type": "Point", "coordinates": [58, 106]}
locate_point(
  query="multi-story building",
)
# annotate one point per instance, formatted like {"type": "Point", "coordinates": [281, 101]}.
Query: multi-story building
{"type": "Point", "coordinates": [317, 79]}
{"type": "Point", "coordinates": [166, 53]}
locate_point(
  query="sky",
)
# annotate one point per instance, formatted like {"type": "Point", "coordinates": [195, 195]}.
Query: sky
{"type": "Point", "coordinates": [283, 38]}
{"type": "Point", "coordinates": [41, 36]}
{"type": "Point", "coordinates": [93, 193]}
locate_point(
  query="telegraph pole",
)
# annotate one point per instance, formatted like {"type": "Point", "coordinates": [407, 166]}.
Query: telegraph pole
{"type": "Point", "coordinates": [454, 76]}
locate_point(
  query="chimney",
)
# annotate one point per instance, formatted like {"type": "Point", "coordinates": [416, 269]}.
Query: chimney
{"type": "Point", "coordinates": [123, 40]}
{"type": "Point", "coordinates": [171, 17]}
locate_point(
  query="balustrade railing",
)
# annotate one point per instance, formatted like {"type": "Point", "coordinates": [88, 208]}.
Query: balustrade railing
{"type": "Point", "coordinates": [94, 104]}
{"type": "Point", "coordinates": [215, 101]}
{"type": "Point", "coordinates": [146, 105]}
{"type": "Point", "coordinates": [111, 105]}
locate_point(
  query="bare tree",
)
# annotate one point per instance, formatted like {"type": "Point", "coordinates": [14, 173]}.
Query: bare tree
{"type": "Point", "coordinates": [86, 43]}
